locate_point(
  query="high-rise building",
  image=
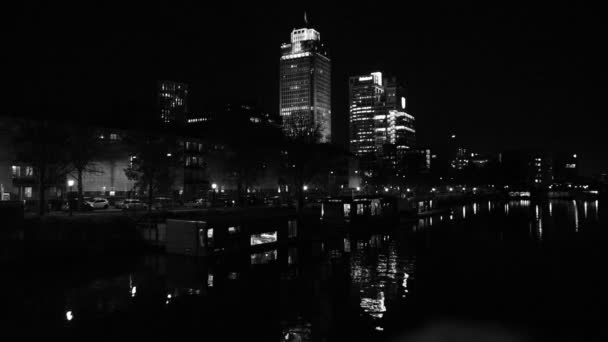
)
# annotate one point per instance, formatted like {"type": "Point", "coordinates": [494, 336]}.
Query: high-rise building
{"type": "Point", "coordinates": [366, 104]}
{"type": "Point", "coordinates": [173, 102]}
{"type": "Point", "coordinates": [305, 80]}
{"type": "Point", "coordinates": [380, 127]}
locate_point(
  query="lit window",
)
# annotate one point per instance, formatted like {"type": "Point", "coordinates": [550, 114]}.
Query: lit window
{"type": "Point", "coordinates": [263, 238]}
{"type": "Point", "coordinates": [292, 228]}
{"type": "Point", "coordinates": [28, 192]}
{"type": "Point", "coordinates": [346, 209]}
{"type": "Point", "coordinates": [360, 209]}
{"type": "Point", "coordinates": [29, 171]}
{"type": "Point", "coordinates": [16, 171]}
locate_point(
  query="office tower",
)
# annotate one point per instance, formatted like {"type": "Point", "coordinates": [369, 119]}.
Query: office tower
{"type": "Point", "coordinates": [305, 93]}
{"type": "Point", "coordinates": [366, 104]}
{"type": "Point", "coordinates": [399, 123]}
{"type": "Point", "coordinates": [380, 127]}
{"type": "Point", "coordinates": [173, 102]}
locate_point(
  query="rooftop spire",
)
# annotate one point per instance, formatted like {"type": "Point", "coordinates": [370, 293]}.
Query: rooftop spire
{"type": "Point", "coordinates": [305, 19]}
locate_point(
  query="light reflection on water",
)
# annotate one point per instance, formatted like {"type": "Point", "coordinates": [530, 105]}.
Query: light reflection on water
{"type": "Point", "coordinates": [379, 269]}
{"type": "Point", "coordinates": [377, 272]}
{"type": "Point", "coordinates": [540, 215]}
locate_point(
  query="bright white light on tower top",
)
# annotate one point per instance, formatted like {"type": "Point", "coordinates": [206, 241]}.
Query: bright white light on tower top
{"type": "Point", "coordinates": [402, 102]}
{"type": "Point", "coordinates": [377, 77]}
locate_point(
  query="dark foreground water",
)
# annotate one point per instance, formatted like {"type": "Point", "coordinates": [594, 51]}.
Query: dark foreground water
{"type": "Point", "coordinates": [488, 272]}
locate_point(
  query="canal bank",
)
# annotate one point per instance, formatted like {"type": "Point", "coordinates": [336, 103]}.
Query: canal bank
{"type": "Point", "coordinates": [135, 233]}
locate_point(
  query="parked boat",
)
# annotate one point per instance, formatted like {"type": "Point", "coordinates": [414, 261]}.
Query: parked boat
{"type": "Point", "coordinates": [360, 210]}
{"type": "Point", "coordinates": [227, 235]}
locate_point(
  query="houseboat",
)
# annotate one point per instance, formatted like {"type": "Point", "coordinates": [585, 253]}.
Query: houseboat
{"type": "Point", "coordinates": [216, 235]}
{"type": "Point", "coordinates": [360, 210]}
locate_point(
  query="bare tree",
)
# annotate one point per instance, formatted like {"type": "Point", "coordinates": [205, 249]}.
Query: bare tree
{"type": "Point", "coordinates": [306, 159]}
{"type": "Point", "coordinates": [83, 148]}
{"type": "Point", "coordinates": [152, 160]}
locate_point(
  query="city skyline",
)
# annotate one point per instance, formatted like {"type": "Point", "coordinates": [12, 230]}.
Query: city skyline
{"type": "Point", "coordinates": [498, 77]}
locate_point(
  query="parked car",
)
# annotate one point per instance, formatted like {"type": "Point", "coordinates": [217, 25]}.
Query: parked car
{"type": "Point", "coordinates": [197, 203]}
{"type": "Point", "coordinates": [99, 203]}
{"type": "Point", "coordinates": [120, 204]}
{"type": "Point", "coordinates": [274, 201]}
{"type": "Point", "coordinates": [133, 203]}
{"type": "Point", "coordinates": [86, 206]}
{"type": "Point", "coordinates": [160, 203]}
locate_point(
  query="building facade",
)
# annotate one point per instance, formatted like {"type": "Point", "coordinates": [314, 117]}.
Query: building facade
{"type": "Point", "coordinates": [173, 102]}
{"type": "Point", "coordinates": [366, 106]}
{"type": "Point", "coordinates": [380, 128]}
{"type": "Point", "coordinates": [305, 86]}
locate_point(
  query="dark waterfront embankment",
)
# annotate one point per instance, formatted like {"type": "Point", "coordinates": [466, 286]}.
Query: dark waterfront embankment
{"type": "Point", "coordinates": [131, 233]}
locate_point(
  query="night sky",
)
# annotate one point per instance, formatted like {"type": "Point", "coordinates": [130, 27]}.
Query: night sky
{"type": "Point", "coordinates": [499, 77]}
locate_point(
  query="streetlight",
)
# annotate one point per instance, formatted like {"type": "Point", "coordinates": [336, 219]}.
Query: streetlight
{"type": "Point", "coordinates": [213, 191]}
{"type": "Point", "coordinates": [70, 185]}
{"type": "Point", "coordinates": [305, 187]}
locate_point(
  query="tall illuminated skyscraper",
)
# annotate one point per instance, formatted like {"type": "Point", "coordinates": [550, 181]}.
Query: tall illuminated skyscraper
{"type": "Point", "coordinates": [366, 104]}
{"type": "Point", "coordinates": [173, 102]}
{"type": "Point", "coordinates": [380, 128]}
{"type": "Point", "coordinates": [305, 80]}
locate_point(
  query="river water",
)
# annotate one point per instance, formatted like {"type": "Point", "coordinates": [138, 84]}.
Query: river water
{"type": "Point", "coordinates": [506, 271]}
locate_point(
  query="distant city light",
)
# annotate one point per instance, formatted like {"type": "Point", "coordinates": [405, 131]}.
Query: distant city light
{"type": "Point", "coordinates": [386, 189]}
{"type": "Point", "coordinates": [358, 189]}
{"type": "Point", "coordinates": [69, 316]}
{"type": "Point", "coordinates": [451, 189]}
{"type": "Point", "coordinates": [305, 187]}
{"type": "Point", "coordinates": [168, 154]}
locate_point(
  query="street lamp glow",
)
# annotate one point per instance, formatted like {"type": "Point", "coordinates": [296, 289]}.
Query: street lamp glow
{"type": "Point", "coordinates": [305, 187]}
{"type": "Point", "coordinates": [169, 154]}
{"type": "Point", "coordinates": [358, 189]}
{"type": "Point", "coordinates": [214, 186]}
{"type": "Point", "coordinates": [70, 182]}
{"type": "Point", "coordinates": [451, 189]}
{"type": "Point", "coordinates": [386, 189]}
{"type": "Point", "coordinates": [433, 190]}
{"type": "Point", "coordinates": [408, 189]}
